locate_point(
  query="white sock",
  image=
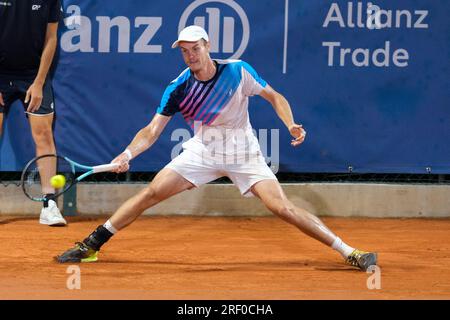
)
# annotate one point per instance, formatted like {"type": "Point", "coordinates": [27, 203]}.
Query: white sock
{"type": "Point", "coordinates": [341, 247]}
{"type": "Point", "coordinates": [110, 227]}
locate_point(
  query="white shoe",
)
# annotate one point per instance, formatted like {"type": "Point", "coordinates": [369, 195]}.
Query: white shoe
{"type": "Point", "coordinates": [51, 216]}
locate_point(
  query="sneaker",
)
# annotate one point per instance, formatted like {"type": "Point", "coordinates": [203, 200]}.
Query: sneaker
{"type": "Point", "coordinates": [51, 215]}
{"type": "Point", "coordinates": [80, 253]}
{"type": "Point", "coordinates": [361, 259]}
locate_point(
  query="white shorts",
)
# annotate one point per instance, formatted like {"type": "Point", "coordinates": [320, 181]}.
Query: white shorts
{"type": "Point", "coordinates": [200, 170]}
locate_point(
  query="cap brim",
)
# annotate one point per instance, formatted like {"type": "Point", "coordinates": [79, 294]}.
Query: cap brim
{"type": "Point", "coordinates": [175, 44]}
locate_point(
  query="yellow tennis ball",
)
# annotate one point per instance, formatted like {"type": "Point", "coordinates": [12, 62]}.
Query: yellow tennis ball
{"type": "Point", "coordinates": [58, 181]}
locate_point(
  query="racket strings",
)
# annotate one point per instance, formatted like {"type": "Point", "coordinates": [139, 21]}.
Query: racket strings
{"type": "Point", "coordinates": [36, 177]}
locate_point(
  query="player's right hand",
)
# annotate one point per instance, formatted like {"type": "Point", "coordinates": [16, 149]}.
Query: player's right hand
{"type": "Point", "coordinates": [123, 161]}
{"type": "Point", "coordinates": [2, 103]}
{"type": "Point", "coordinates": [34, 97]}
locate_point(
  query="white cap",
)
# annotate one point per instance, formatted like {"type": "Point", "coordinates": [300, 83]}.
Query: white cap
{"type": "Point", "coordinates": [191, 34]}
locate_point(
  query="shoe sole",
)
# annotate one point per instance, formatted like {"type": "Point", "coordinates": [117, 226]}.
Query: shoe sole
{"type": "Point", "coordinates": [91, 258]}
{"type": "Point", "coordinates": [53, 224]}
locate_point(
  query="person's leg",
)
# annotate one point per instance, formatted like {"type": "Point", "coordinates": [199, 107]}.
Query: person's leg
{"type": "Point", "coordinates": [166, 184]}
{"type": "Point", "coordinates": [41, 122]}
{"type": "Point", "coordinates": [186, 171]}
{"type": "Point", "coordinates": [42, 132]}
{"type": "Point", "coordinates": [273, 197]}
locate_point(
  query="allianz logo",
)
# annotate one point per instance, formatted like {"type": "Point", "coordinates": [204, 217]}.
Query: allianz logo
{"type": "Point", "coordinates": [115, 33]}
{"type": "Point", "coordinates": [221, 28]}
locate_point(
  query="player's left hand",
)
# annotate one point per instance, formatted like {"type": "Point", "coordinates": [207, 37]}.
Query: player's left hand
{"type": "Point", "coordinates": [34, 93]}
{"type": "Point", "coordinates": [298, 133]}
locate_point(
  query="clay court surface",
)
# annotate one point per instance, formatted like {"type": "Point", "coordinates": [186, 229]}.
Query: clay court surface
{"type": "Point", "coordinates": [226, 258]}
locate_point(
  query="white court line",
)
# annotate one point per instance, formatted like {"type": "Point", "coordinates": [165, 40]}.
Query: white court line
{"type": "Point", "coordinates": [286, 23]}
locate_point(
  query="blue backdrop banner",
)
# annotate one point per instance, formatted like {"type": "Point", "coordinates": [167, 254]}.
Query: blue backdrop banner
{"type": "Point", "coordinates": [368, 80]}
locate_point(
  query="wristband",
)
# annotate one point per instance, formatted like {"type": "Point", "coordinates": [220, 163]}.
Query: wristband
{"type": "Point", "coordinates": [128, 154]}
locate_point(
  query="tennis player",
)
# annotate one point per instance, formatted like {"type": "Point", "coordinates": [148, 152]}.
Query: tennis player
{"type": "Point", "coordinates": [212, 96]}
{"type": "Point", "coordinates": [28, 38]}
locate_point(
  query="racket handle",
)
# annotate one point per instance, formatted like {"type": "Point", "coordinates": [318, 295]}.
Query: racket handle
{"type": "Point", "coordinates": [105, 167]}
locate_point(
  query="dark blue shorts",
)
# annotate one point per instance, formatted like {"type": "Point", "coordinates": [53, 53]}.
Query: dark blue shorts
{"type": "Point", "coordinates": [12, 90]}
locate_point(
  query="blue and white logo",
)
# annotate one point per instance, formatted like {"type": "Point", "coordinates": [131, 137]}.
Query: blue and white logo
{"type": "Point", "coordinates": [225, 21]}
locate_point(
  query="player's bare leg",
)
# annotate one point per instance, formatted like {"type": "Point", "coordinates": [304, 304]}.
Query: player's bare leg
{"type": "Point", "coordinates": [166, 184]}
{"type": "Point", "coordinates": [41, 130]}
{"type": "Point", "coordinates": [273, 197]}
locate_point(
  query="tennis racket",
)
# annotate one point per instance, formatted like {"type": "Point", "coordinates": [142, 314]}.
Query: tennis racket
{"type": "Point", "coordinates": [37, 173]}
